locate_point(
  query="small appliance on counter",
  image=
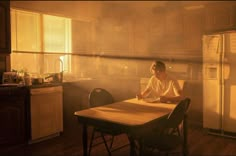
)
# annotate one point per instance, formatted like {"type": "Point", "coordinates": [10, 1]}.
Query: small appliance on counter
{"type": "Point", "coordinates": [16, 79]}
{"type": "Point", "coordinates": [37, 81]}
{"type": "Point", "coordinates": [10, 78]}
{"type": "Point", "coordinates": [54, 77]}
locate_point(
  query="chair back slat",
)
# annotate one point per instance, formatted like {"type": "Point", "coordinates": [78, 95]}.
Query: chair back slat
{"type": "Point", "coordinates": [99, 97]}
{"type": "Point", "coordinates": [177, 115]}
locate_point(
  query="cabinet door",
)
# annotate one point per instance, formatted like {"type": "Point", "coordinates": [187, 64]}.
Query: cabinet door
{"type": "Point", "coordinates": [174, 29]}
{"type": "Point", "coordinates": [46, 114]}
{"type": "Point", "coordinates": [220, 16]}
{"type": "Point", "coordinates": [193, 30]}
{"type": "Point", "coordinates": [5, 41]}
{"type": "Point", "coordinates": [12, 120]}
{"type": "Point", "coordinates": [13, 117]}
{"type": "Point", "coordinates": [141, 35]}
{"type": "Point", "coordinates": [81, 37]}
{"type": "Point", "coordinates": [157, 31]}
{"type": "Point", "coordinates": [114, 38]}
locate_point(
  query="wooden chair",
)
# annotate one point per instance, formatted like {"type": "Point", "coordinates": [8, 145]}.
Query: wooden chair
{"type": "Point", "coordinates": [99, 97]}
{"type": "Point", "coordinates": [166, 140]}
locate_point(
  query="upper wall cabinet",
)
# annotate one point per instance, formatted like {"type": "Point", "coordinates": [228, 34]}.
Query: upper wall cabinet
{"type": "Point", "coordinates": [114, 38]}
{"type": "Point", "coordinates": [114, 30]}
{"type": "Point", "coordinates": [174, 29]}
{"type": "Point", "coordinates": [157, 30]}
{"type": "Point", "coordinates": [141, 36]}
{"type": "Point", "coordinates": [5, 41]}
{"type": "Point", "coordinates": [82, 37]}
{"type": "Point", "coordinates": [166, 30]}
{"type": "Point", "coordinates": [220, 16]}
{"type": "Point", "coordinates": [193, 29]}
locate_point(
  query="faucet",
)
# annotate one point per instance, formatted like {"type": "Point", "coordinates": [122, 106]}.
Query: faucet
{"type": "Point", "coordinates": [56, 77]}
{"type": "Point", "coordinates": [61, 65]}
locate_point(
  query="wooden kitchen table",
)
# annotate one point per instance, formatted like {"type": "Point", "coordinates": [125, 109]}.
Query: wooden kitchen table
{"type": "Point", "coordinates": [127, 116]}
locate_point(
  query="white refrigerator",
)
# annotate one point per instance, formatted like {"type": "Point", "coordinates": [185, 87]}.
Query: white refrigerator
{"type": "Point", "coordinates": [219, 83]}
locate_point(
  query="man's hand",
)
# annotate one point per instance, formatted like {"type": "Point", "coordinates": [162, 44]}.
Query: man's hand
{"type": "Point", "coordinates": [164, 99]}
{"type": "Point", "coordinates": [139, 96]}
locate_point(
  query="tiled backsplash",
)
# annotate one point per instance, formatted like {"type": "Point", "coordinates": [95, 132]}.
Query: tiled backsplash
{"type": "Point", "coordinates": [77, 67]}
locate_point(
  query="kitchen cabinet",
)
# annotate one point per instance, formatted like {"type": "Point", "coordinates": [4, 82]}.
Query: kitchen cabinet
{"type": "Point", "coordinates": [193, 25]}
{"type": "Point", "coordinates": [46, 112]}
{"type": "Point", "coordinates": [74, 99]}
{"type": "Point", "coordinates": [13, 116]}
{"type": "Point", "coordinates": [157, 31]}
{"type": "Point", "coordinates": [140, 36]}
{"type": "Point", "coordinates": [82, 32]}
{"type": "Point", "coordinates": [220, 16]}
{"type": "Point", "coordinates": [5, 41]}
{"type": "Point", "coordinates": [114, 37]}
{"type": "Point", "coordinates": [174, 29]}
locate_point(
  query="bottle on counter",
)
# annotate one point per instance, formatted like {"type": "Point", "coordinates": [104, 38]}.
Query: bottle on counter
{"type": "Point", "coordinates": [20, 78]}
{"type": "Point", "coordinates": [27, 79]}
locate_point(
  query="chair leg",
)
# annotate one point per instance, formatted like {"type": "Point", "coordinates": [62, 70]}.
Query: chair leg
{"type": "Point", "coordinates": [185, 152]}
{"type": "Point", "coordinates": [178, 131]}
{"type": "Point", "coordinates": [104, 140]}
{"type": "Point", "coordinates": [91, 142]}
{"type": "Point", "coordinates": [140, 148]}
{"type": "Point", "coordinates": [112, 140]}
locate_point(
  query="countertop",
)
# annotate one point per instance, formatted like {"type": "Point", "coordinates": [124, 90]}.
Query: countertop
{"type": "Point", "coordinates": [31, 86]}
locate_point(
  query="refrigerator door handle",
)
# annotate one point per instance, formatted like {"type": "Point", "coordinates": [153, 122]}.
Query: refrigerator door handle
{"type": "Point", "coordinates": [218, 45]}
{"type": "Point", "coordinates": [226, 68]}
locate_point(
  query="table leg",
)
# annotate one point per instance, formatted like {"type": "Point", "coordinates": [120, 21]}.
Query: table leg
{"type": "Point", "coordinates": [85, 137]}
{"type": "Point", "coordinates": [185, 133]}
{"type": "Point", "coordinates": [132, 146]}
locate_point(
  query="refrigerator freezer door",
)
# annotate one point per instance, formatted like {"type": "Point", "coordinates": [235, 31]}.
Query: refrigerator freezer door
{"type": "Point", "coordinates": [212, 48]}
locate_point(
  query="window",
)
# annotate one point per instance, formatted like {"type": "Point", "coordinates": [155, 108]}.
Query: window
{"type": "Point", "coordinates": [40, 43]}
{"type": "Point", "coordinates": [25, 31]}
{"type": "Point", "coordinates": [56, 34]}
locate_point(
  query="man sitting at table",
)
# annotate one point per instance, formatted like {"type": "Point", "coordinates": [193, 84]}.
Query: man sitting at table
{"type": "Point", "coordinates": [161, 86]}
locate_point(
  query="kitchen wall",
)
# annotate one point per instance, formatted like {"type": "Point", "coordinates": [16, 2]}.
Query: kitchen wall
{"type": "Point", "coordinates": [102, 67]}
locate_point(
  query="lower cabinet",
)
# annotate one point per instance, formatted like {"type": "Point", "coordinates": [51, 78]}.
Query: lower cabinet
{"type": "Point", "coordinates": [13, 117]}
{"type": "Point", "coordinates": [46, 113]}
{"type": "Point", "coordinates": [29, 115]}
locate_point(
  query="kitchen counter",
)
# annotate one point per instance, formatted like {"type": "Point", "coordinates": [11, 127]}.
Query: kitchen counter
{"type": "Point", "coordinates": [44, 85]}
{"type": "Point", "coordinates": [31, 86]}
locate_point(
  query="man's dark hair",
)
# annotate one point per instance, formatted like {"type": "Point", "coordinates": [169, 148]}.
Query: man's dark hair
{"type": "Point", "coordinates": [158, 65]}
